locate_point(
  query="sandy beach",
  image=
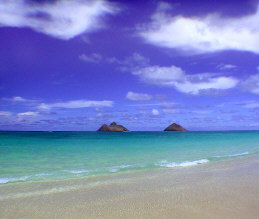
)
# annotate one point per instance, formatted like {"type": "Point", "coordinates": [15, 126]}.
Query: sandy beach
{"type": "Point", "coordinates": [113, 109]}
{"type": "Point", "coordinates": [226, 189]}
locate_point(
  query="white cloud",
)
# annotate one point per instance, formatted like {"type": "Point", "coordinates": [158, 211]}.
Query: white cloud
{"type": "Point", "coordinates": [28, 114]}
{"type": "Point", "coordinates": [203, 34]}
{"type": "Point", "coordinates": [125, 64]}
{"type": "Point", "coordinates": [160, 75]}
{"type": "Point", "coordinates": [73, 104]}
{"type": "Point", "coordinates": [208, 82]}
{"type": "Point", "coordinates": [175, 77]}
{"type": "Point", "coordinates": [60, 19]}
{"type": "Point", "coordinates": [155, 112]}
{"type": "Point", "coordinates": [138, 96]}
{"type": "Point", "coordinates": [164, 6]}
{"type": "Point", "coordinates": [130, 62]}
{"type": "Point", "coordinates": [136, 58]}
{"type": "Point", "coordinates": [257, 68]}
{"type": "Point", "coordinates": [18, 99]}
{"type": "Point", "coordinates": [94, 58]}
{"type": "Point", "coordinates": [226, 66]}
{"type": "Point", "coordinates": [252, 84]}
{"type": "Point", "coordinates": [5, 113]}
{"type": "Point", "coordinates": [15, 99]}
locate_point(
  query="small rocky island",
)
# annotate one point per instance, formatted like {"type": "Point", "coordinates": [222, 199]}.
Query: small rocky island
{"type": "Point", "coordinates": [175, 127]}
{"type": "Point", "coordinates": [113, 127]}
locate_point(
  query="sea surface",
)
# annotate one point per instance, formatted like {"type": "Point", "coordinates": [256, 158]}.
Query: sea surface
{"type": "Point", "coordinates": [39, 156]}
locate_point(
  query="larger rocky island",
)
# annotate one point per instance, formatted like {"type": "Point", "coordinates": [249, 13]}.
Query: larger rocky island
{"type": "Point", "coordinates": [175, 127]}
{"type": "Point", "coordinates": [113, 127]}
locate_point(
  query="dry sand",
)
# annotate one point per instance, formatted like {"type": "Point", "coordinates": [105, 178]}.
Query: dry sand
{"type": "Point", "coordinates": [226, 189]}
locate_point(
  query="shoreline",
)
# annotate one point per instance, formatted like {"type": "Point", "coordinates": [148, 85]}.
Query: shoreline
{"type": "Point", "coordinates": [114, 170]}
{"type": "Point", "coordinates": [198, 191]}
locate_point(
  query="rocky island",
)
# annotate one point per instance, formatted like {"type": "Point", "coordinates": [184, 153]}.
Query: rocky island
{"type": "Point", "coordinates": [113, 127]}
{"type": "Point", "coordinates": [175, 127]}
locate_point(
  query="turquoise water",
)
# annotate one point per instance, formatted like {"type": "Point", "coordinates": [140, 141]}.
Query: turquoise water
{"type": "Point", "coordinates": [34, 156]}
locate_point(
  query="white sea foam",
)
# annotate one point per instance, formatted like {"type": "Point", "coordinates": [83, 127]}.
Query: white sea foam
{"type": "Point", "coordinates": [117, 168]}
{"type": "Point", "coordinates": [13, 179]}
{"type": "Point", "coordinates": [164, 163]}
{"type": "Point", "coordinates": [22, 178]}
{"type": "Point", "coordinates": [77, 171]}
{"type": "Point", "coordinates": [4, 180]}
{"type": "Point", "coordinates": [42, 174]}
{"type": "Point", "coordinates": [233, 155]}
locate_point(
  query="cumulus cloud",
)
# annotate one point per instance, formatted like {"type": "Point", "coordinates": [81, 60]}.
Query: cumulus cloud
{"type": "Point", "coordinates": [175, 77]}
{"type": "Point", "coordinates": [252, 84]}
{"type": "Point", "coordinates": [205, 82]}
{"type": "Point", "coordinates": [60, 19]}
{"type": "Point", "coordinates": [73, 104]}
{"type": "Point", "coordinates": [155, 112]}
{"type": "Point", "coordinates": [138, 96]}
{"type": "Point", "coordinates": [203, 34]}
{"type": "Point", "coordinates": [160, 75]}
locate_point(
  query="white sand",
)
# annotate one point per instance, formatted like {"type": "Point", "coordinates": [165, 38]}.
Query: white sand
{"type": "Point", "coordinates": [227, 189]}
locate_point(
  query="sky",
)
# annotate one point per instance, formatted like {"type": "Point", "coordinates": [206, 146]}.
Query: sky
{"type": "Point", "coordinates": [75, 65]}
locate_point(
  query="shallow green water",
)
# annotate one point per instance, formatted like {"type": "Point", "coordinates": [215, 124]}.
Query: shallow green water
{"type": "Point", "coordinates": [32, 156]}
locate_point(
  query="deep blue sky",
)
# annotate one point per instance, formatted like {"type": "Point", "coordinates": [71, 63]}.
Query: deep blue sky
{"type": "Point", "coordinates": [74, 65]}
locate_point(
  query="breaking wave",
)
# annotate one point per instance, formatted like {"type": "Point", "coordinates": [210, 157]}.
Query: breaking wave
{"type": "Point", "coordinates": [13, 179]}
{"type": "Point", "coordinates": [233, 155]}
{"type": "Point", "coordinates": [118, 168]}
{"type": "Point", "coordinates": [164, 163]}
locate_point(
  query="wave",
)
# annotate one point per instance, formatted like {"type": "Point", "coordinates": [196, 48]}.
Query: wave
{"type": "Point", "coordinates": [4, 180]}
{"type": "Point", "coordinates": [13, 179]}
{"type": "Point", "coordinates": [233, 155]}
{"type": "Point", "coordinates": [164, 163]}
{"type": "Point", "coordinates": [118, 168]}
{"type": "Point", "coordinates": [114, 169]}
{"type": "Point", "coordinates": [77, 171]}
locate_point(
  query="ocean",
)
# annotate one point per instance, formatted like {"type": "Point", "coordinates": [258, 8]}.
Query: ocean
{"type": "Point", "coordinates": [41, 156]}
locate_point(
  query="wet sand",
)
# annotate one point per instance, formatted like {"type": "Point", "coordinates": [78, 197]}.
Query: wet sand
{"type": "Point", "coordinates": [226, 189]}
